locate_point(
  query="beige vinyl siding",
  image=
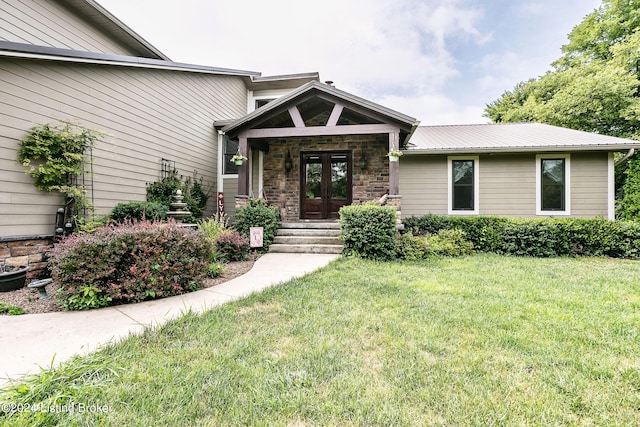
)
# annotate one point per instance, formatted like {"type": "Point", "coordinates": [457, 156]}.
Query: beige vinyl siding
{"type": "Point", "coordinates": [230, 189]}
{"type": "Point", "coordinates": [147, 115]}
{"type": "Point", "coordinates": [589, 191]}
{"type": "Point", "coordinates": [507, 184]}
{"type": "Point", "coordinates": [48, 23]}
{"type": "Point", "coordinates": [423, 185]}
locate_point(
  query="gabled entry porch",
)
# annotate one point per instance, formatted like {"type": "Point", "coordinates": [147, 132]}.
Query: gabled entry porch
{"type": "Point", "coordinates": [318, 149]}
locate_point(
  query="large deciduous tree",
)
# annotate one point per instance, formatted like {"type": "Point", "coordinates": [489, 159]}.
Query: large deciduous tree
{"type": "Point", "coordinates": [593, 87]}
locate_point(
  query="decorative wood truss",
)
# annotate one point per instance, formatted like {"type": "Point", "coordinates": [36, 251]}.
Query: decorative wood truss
{"type": "Point", "coordinates": [317, 109]}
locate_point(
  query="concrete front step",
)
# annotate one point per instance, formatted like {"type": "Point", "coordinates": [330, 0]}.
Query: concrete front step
{"type": "Point", "coordinates": [306, 240]}
{"type": "Point", "coordinates": [308, 232]}
{"type": "Point", "coordinates": [306, 249]}
{"type": "Point", "coordinates": [308, 225]}
{"type": "Point", "coordinates": [310, 237]}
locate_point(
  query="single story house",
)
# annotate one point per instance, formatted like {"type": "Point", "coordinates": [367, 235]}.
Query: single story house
{"type": "Point", "coordinates": [311, 147]}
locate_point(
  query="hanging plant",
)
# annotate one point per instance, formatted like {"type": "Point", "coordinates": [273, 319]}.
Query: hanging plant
{"type": "Point", "coordinates": [238, 159]}
{"type": "Point", "coordinates": [394, 155]}
{"type": "Point", "coordinates": [54, 154]}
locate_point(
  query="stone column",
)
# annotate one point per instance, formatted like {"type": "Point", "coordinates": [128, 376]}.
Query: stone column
{"type": "Point", "coordinates": [394, 167]}
{"type": "Point", "coordinates": [396, 201]}
{"type": "Point", "coordinates": [241, 201]}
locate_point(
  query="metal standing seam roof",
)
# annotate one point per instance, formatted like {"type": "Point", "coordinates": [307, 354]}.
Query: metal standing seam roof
{"type": "Point", "coordinates": [509, 137]}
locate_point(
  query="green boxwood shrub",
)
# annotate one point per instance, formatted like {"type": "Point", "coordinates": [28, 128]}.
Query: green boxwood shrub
{"type": "Point", "coordinates": [139, 211]}
{"type": "Point", "coordinates": [445, 243]}
{"type": "Point", "coordinates": [538, 237]}
{"type": "Point", "coordinates": [450, 243]}
{"type": "Point", "coordinates": [368, 231]}
{"type": "Point", "coordinates": [257, 214]}
{"type": "Point", "coordinates": [129, 262]}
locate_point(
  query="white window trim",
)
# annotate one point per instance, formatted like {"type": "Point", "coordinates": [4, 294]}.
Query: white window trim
{"type": "Point", "coordinates": [221, 160]}
{"type": "Point", "coordinates": [476, 185]}
{"type": "Point", "coordinates": [611, 188]}
{"type": "Point", "coordinates": [567, 184]}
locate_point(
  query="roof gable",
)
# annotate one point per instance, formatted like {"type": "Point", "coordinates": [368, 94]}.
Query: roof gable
{"type": "Point", "coordinates": [319, 104]}
{"type": "Point", "coordinates": [101, 18]}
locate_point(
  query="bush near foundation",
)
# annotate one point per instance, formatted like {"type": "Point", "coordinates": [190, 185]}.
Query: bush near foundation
{"type": "Point", "coordinates": [232, 246]}
{"type": "Point", "coordinates": [130, 262]}
{"type": "Point", "coordinates": [538, 237]}
{"type": "Point", "coordinates": [444, 243]}
{"type": "Point", "coordinates": [368, 231]}
{"type": "Point", "coordinates": [257, 214]}
{"type": "Point", "coordinates": [139, 211]}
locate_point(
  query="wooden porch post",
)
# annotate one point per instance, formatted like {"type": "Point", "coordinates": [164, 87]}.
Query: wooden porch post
{"type": "Point", "coordinates": [243, 170]}
{"type": "Point", "coordinates": [394, 169]}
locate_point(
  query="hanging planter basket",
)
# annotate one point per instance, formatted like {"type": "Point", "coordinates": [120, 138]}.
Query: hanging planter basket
{"type": "Point", "coordinates": [394, 155]}
{"type": "Point", "coordinates": [12, 280]}
{"type": "Point", "coordinates": [238, 159]}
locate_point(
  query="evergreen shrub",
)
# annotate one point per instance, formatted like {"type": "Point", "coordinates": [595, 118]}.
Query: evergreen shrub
{"type": "Point", "coordinates": [139, 211]}
{"type": "Point", "coordinates": [538, 237]}
{"type": "Point", "coordinates": [368, 231]}
{"type": "Point", "coordinates": [257, 214]}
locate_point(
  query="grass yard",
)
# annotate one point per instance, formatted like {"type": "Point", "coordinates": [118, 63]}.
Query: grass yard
{"type": "Point", "coordinates": [483, 340]}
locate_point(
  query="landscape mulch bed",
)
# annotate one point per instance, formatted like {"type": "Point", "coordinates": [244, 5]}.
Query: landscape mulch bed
{"type": "Point", "coordinates": [28, 299]}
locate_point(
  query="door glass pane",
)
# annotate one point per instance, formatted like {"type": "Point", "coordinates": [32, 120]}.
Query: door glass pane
{"type": "Point", "coordinates": [339, 177]}
{"type": "Point", "coordinates": [313, 177]}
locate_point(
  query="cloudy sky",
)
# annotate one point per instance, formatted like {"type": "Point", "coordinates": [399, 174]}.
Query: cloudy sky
{"type": "Point", "coordinates": [440, 61]}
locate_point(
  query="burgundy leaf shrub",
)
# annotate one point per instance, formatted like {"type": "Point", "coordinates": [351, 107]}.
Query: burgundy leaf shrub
{"type": "Point", "coordinates": [130, 262]}
{"type": "Point", "coordinates": [232, 246]}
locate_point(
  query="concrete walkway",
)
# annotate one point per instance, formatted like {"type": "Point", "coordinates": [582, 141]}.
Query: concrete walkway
{"type": "Point", "coordinates": [31, 341]}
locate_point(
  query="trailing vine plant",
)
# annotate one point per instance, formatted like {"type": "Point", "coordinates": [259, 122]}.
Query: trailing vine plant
{"type": "Point", "coordinates": [55, 154]}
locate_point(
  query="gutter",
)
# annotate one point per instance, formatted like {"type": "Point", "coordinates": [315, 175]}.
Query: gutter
{"type": "Point", "coordinates": [547, 149]}
{"type": "Point", "coordinates": [625, 157]}
{"type": "Point", "coordinates": [26, 51]}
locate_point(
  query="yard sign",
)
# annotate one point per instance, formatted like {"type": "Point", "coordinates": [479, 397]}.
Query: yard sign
{"type": "Point", "coordinates": [256, 234]}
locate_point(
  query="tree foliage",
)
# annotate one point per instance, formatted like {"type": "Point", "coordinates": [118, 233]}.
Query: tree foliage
{"type": "Point", "coordinates": [593, 87]}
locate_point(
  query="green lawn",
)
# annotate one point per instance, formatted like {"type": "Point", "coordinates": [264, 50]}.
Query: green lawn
{"type": "Point", "coordinates": [483, 340]}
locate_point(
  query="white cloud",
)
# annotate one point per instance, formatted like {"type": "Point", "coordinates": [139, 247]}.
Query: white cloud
{"type": "Point", "coordinates": [432, 59]}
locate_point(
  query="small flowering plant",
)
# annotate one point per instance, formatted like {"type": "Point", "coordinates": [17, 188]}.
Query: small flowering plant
{"type": "Point", "coordinates": [394, 153]}
{"type": "Point", "coordinates": [238, 158]}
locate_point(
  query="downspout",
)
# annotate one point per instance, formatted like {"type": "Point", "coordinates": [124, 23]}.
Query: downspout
{"type": "Point", "coordinates": [625, 157]}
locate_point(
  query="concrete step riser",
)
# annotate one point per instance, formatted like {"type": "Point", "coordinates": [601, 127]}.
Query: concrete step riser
{"type": "Point", "coordinates": [311, 225]}
{"type": "Point", "coordinates": [306, 249]}
{"type": "Point", "coordinates": [306, 240]}
{"type": "Point", "coordinates": [308, 237]}
{"type": "Point", "coordinates": [303, 232]}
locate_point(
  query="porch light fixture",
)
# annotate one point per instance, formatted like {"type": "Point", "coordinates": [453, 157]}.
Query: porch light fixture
{"type": "Point", "coordinates": [288, 162]}
{"type": "Point", "coordinates": [362, 162]}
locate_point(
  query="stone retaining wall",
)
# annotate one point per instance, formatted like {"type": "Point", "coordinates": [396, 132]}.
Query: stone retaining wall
{"type": "Point", "coordinates": [26, 251]}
